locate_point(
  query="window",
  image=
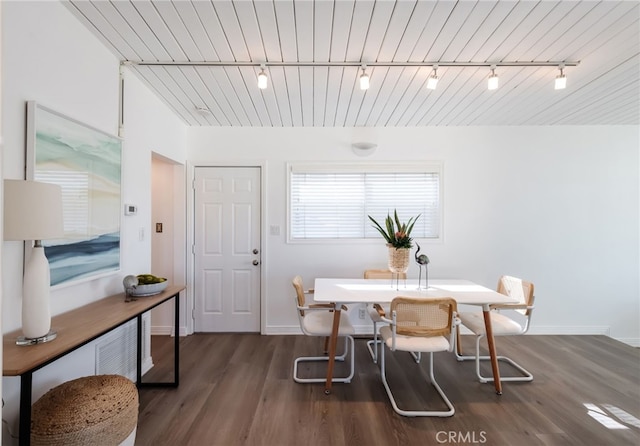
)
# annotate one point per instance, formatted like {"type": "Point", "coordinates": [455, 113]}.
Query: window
{"type": "Point", "coordinates": [75, 198]}
{"type": "Point", "coordinates": [333, 201]}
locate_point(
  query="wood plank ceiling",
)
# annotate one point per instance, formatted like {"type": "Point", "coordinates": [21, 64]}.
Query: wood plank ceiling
{"type": "Point", "coordinates": [602, 35]}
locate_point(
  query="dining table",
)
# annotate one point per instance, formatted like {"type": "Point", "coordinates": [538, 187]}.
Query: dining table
{"type": "Point", "coordinates": [339, 292]}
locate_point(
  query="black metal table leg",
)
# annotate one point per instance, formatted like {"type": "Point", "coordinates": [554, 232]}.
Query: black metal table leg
{"type": "Point", "coordinates": [176, 340]}
{"type": "Point", "coordinates": [26, 381]}
{"type": "Point", "coordinates": [176, 351]}
{"type": "Point", "coordinates": [139, 351]}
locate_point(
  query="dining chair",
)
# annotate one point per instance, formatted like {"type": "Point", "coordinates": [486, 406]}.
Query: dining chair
{"type": "Point", "coordinates": [372, 345]}
{"type": "Point", "coordinates": [502, 325]}
{"type": "Point", "coordinates": [317, 320]}
{"type": "Point", "coordinates": [425, 325]}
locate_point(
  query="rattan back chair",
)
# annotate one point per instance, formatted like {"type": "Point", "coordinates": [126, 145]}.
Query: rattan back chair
{"type": "Point", "coordinates": [424, 325]}
{"type": "Point", "coordinates": [317, 320]}
{"type": "Point", "coordinates": [373, 344]}
{"type": "Point", "coordinates": [382, 274]}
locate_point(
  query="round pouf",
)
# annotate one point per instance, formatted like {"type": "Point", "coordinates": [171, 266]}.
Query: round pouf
{"type": "Point", "coordinates": [93, 410]}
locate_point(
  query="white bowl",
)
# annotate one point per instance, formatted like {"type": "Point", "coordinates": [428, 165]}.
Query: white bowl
{"type": "Point", "coordinates": [149, 289]}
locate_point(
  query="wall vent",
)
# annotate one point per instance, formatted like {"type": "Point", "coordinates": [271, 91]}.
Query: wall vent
{"type": "Point", "coordinates": [116, 351]}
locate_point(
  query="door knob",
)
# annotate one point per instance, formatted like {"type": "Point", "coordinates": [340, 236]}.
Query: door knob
{"type": "Point", "coordinates": [255, 251]}
{"type": "Point", "coordinates": [256, 263]}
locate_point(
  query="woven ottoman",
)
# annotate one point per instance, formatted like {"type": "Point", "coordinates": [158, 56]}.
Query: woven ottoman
{"type": "Point", "coordinates": [93, 410]}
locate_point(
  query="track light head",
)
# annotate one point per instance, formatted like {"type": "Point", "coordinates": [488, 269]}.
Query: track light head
{"type": "Point", "coordinates": [432, 82]}
{"type": "Point", "coordinates": [263, 80]}
{"type": "Point", "coordinates": [364, 79]}
{"type": "Point", "coordinates": [492, 83]}
{"type": "Point", "coordinates": [561, 79]}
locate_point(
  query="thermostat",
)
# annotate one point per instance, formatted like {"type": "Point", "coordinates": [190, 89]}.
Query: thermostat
{"type": "Point", "coordinates": [130, 209]}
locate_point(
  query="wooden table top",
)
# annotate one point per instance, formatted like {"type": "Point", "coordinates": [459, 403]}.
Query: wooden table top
{"type": "Point", "coordinates": [75, 328]}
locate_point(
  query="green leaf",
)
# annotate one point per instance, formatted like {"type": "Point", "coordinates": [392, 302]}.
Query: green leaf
{"type": "Point", "coordinates": [390, 230]}
{"type": "Point", "coordinates": [393, 226]}
{"type": "Point", "coordinates": [411, 223]}
{"type": "Point", "coordinates": [379, 228]}
{"type": "Point", "coordinates": [395, 214]}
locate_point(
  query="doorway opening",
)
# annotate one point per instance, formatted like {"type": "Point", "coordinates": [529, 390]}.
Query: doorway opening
{"type": "Point", "coordinates": [168, 237]}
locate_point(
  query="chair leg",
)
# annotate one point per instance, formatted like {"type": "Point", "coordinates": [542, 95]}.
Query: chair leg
{"type": "Point", "coordinates": [525, 377]}
{"type": "Point", "coordinates": [416, 413]}
{"type": "Point", "coordinates": [349, 348]}
{"type": "Point", "coordinates": [372, 345]}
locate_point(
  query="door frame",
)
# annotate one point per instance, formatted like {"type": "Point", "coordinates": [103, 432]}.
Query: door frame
{"type": "Point", "coordinates": [190, 291]}
{"type": "Point", "coordinates": [164, 315]}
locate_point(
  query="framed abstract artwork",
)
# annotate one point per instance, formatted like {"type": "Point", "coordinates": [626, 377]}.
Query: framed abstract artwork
{"type": "Point", "coordinates": [86, 163]}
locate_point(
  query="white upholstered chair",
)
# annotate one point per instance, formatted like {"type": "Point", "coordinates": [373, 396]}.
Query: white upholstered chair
{"type": "Point", "coordinates": [419, 325]}
{"type": "Point", "coordinates": [317, 320]}
{"type": "Point", "coordinates": [501, 324]}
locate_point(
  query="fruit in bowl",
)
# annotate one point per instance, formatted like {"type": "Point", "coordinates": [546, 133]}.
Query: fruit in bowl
{"type": "Point", "coordinates": [147, 279]}
{"type": "Point", "coordinates": [148, 285]}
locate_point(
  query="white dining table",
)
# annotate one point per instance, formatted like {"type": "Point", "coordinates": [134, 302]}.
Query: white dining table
{"type": "Point", "coordinates": [369, 291]}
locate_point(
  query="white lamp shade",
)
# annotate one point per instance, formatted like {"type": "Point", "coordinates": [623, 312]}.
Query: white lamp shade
{"type": "Point", "coordinates": [32, 210]}
{"type": "Point", "coordinates": [432, 82]}
{"type": "Point", "coordinates": [364, 81]}
{"type": "Point", "coordinates": [262, 80]}
{"type": "Point", "coordinates": [493, 82]}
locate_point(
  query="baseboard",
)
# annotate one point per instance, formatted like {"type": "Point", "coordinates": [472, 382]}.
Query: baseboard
{"type": "Point", "coordinates": [570, 330]}
{"type": "Point", "coordinates": [283, 330]}
{"type": "Point", "coordinates": [147, 365]}
{"type": "Point", "coordinates": [167, 330]}
{"type": "Point", "coordinates": [362, 330]}
{"type": "Point", "coordinates": [633, 342]}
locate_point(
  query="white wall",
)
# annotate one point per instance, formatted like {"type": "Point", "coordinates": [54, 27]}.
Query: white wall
{"type": "Point", "coordinates": [74, 76]}
{"type": "Point", "coordinates": [555, 205]}
{"type": "Point", "coordinates": [1, 194]}
{"type": "Point", "coordinates": [49, 57]}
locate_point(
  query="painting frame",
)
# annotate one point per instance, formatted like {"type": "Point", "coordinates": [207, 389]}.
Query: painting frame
{"type": "Point", "coordinates": [87, 163]}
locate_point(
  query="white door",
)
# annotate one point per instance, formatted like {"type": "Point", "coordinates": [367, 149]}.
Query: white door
{"type": "Point", "coordinates": [227, 249]}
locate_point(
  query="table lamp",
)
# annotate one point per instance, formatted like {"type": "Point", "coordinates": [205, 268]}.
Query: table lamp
{"type": "Point", "coordinates": [33, 211]}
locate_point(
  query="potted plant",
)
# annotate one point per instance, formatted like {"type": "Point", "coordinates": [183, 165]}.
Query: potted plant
{"type": "Point", "coordinates": [398, 238]}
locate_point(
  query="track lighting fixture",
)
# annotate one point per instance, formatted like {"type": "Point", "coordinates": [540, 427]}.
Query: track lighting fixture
{"type": "Point", "coordinates": [492, 84]}
{"type": "Point", "coordinates": [561, 79]}
{"type": "Point", "coordinates": [364, 79]}
{"type": "Point", "coordinates": [262, 78]}
{"type": "Point", "coordinates": [432, 82]}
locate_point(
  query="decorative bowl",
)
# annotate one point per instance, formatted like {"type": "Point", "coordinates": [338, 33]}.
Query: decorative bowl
{"type": "Point", "coordinates": [149, 289]}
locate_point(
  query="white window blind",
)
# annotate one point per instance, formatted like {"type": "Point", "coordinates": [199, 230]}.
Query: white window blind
{"type": "Point", "coordinates": [333, 202]}
{"type": "Point", "coordinates": [75, 199]}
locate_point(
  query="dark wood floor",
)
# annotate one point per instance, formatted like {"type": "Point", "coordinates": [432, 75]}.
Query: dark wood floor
{"type": "Point", "coordinates": [237, 389]}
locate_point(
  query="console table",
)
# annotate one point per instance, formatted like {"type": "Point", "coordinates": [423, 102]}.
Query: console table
{"type": "Point", "coordinates": [77, 328]}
